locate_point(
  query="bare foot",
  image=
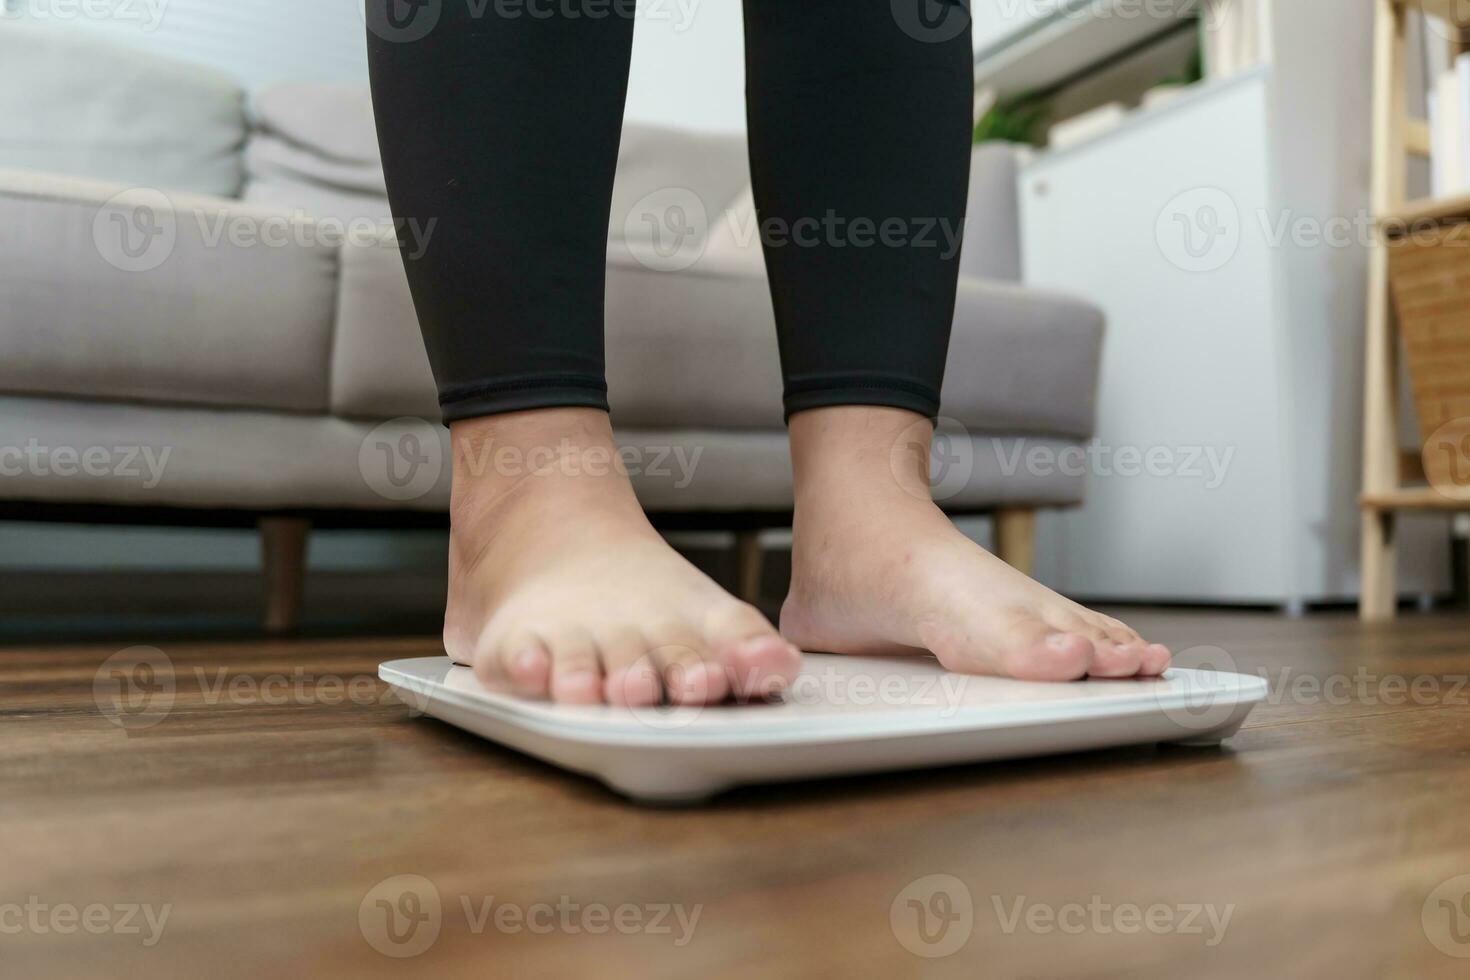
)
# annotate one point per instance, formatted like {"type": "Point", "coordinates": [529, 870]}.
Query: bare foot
{"type": "Point", "coordinates": [878, 568]}
{"type": "Point", "coordinates": [560, 588]}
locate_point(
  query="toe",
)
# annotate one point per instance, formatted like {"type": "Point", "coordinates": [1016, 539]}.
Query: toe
{"type": "Point", "coordinates": [1024, 647]}
{"type": "Point", "coordinates": [630, 677]}
{"type": "Point", "coordinates": [576, 669]}
{"type": "Point", "coordinates": [690, 672]}
{"type": "Point", "coordinates": [1129, 655]}
{"type": "Point", "coordinates": [524, 660]}
{"type": "Point", "coordinates": [1155, 660]}
{"type": "Point", "coordinates": [758, 662]}
{"type": "Point", "coordinates": [1120, 633]}
{"type": "Point", "coordinates": [1041, 653]}
{"type": "Point", "coordinates": [1111, 659]}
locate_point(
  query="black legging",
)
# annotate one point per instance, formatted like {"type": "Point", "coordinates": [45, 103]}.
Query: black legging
{"type": "Point", "coordinates": [501, 119]}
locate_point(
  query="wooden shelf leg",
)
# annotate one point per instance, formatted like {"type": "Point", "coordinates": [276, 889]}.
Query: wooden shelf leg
{"type": "Point", "coordinates": [748, 561]}
{"type": "Point", "coordinates": [283, 565]}
{"type": "Point", "coordinates": [1378, 601]}
{"type": "Point", "coordinates": [1015, 537]}
{"type": "Point", "coordinates": [1378, 597]}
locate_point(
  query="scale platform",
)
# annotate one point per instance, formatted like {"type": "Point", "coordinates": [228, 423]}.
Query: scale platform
{"type": "Point", "coordinates": [842, 715]}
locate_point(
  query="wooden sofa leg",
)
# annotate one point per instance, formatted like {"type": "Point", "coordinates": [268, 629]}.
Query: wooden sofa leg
{"type": "Point", "coordinates": [1015, 536]}
{"type": "Point", "coordinates": [283, 564]}
{"type": "Point", "coordinates": [748, 558]}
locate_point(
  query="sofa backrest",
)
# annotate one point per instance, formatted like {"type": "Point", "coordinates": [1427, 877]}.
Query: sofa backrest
{"type": "Point", "coordinates": [672, 182]}
{"type": "Point", "coordinates": [314, 147]}
{"type": "Point", "coordinates": [992, 247]}
{"type": "Point", "coordinates": [81, 107]}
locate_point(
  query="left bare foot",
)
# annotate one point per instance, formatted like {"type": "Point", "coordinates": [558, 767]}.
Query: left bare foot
{"type": "Point", "coordinates": [878, 568]}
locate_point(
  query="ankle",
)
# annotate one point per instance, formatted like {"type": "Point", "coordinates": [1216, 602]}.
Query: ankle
{"type": "Point", "coordinates": [502, 459]}
{"type": "Point", "coordinates": [860, 454]}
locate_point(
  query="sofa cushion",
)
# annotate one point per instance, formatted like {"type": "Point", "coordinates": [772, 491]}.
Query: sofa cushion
{"type": "Point", "coordinates": [77, 106]}
{"type": "Point", "coordinates": [152, 455]}
{"type": "Point", "coordinates": [992, 248]}
{"type": "Point", "coordinates": [109, 292]}
{"type": "Point", "coordinates": [698, 347]}
{"type": "Point", "coordinates": [380, 368]}
{"type": "Point", "coordinates": [332, 122]}
{"type": "Point", "coordinates": [661, 168]}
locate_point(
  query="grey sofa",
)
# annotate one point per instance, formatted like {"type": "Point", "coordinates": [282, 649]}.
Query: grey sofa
{"type": "Point", "coordinates": [209, 282]}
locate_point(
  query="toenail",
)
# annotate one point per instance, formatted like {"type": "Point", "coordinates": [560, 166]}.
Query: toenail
{"type": "Point", "coordinates": [753, 646]}
{"type": "Point", "coordinates": [528, 660]}
{"type": "Point", "coordinates": [1059, 641]}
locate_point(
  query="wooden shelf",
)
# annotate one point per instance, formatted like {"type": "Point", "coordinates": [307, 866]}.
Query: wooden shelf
{"type": "Point", "coordinates": [1414, 498]}
{"type": "Point", "coordinates": [1455, 12]}
{"type": "Point", "coordinates": [1074, 38]}
{"type": "Point", "coordinates": [1427, 210]}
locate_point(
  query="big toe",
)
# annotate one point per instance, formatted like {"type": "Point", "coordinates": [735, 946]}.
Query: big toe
{"type": "Point", "coordinates": [1012, 644]}
{"type": "Point", "coordinates": [1044, 654]}
{"type": "Point", "coordinates": [758, 661]}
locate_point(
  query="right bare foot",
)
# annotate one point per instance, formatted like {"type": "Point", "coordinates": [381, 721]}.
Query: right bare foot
{"type": "Point", "coordinates": [560, 587]}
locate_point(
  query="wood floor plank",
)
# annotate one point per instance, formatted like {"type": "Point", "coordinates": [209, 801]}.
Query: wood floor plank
{"type": "Point", "coordinates": [284, 784]}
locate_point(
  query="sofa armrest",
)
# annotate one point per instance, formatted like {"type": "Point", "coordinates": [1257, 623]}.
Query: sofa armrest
{"type": "Point", "coordinates": [993, 227]}
{"type": "Point", "coordinates": [75, 102]}
{"type": "Point", "coordinates": [1023, 361]}
{"type": "Point", "coordinates": [115, 292]}
{"type": "Point", "coordinates": [46, 186]}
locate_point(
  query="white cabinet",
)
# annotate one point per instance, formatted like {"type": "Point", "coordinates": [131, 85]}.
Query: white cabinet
{"type": "Point", "coordinates": [1226, 463]}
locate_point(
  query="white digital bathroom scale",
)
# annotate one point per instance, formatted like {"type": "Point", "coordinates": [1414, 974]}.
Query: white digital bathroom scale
{"type": "Point", "coordinates": [841, 715]}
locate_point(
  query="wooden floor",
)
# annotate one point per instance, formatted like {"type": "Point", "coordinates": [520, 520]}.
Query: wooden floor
{"type": "Point", "coordinates": [262, 812]}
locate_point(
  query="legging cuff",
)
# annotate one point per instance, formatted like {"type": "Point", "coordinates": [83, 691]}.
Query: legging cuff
{"type": "Point", "coordinates": [861, 390]}
{"type": "Point", "coordinates": [560, 391]}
